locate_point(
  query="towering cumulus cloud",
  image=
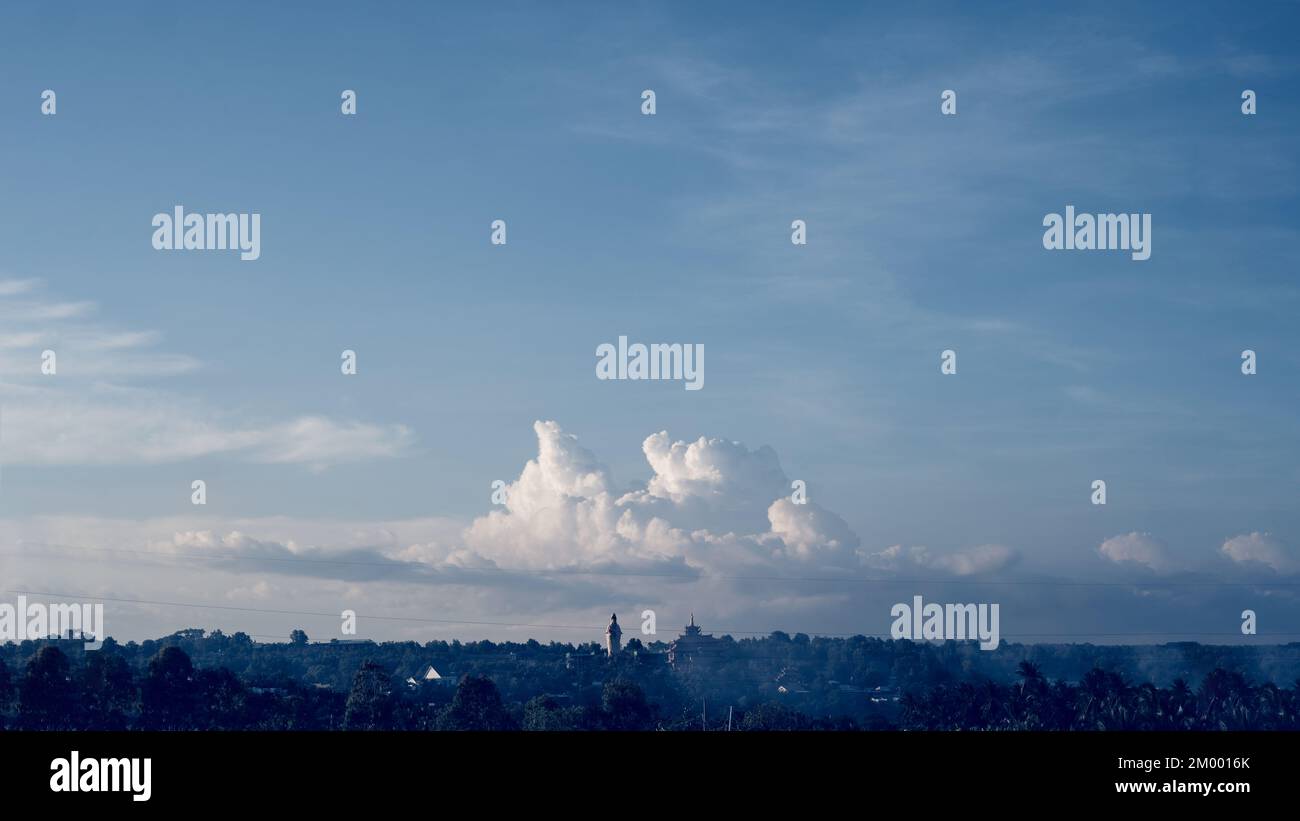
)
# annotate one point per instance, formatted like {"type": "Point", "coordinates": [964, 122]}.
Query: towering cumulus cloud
{"type": "Point", "coordinates": [712, 502]}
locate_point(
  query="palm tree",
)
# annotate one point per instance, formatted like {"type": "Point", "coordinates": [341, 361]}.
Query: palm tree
{"type": "Point", "coordinates": [1028, 699]}
{"type": "Point", "coordinates": [1031, 678]}
{"type": "Point", "coordinates": [1147, 705]}
{"type": "Point", "coordinates": [1182, 705]}
{"type": "Point", "coordinates": [1270, 706]}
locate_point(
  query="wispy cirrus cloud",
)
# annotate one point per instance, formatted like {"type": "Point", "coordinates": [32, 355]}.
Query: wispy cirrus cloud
{"type": "Point", "coordinates": [89, 412]}
{"type": "Point", "coordinates": [986, 558]}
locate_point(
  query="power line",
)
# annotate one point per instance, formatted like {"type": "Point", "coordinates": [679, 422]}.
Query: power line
{"type": "Point", "coordinates": [406, 566]}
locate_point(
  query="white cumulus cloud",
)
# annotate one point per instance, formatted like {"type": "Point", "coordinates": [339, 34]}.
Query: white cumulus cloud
{"type": "Point", "coordinates": [1261, 548]}
{"type": "Point", "coordinates": [1139, 548]}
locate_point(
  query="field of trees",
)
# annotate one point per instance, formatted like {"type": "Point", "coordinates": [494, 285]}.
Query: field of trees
{"type": "Point", "coordinates": [196, 681]}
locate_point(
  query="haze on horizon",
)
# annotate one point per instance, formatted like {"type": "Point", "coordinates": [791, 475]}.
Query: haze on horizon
{"type": "Point", "coordinates": [475, 362]}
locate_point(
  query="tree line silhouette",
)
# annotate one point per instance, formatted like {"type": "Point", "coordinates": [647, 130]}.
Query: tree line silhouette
{"type": "Point", "coordinates": [104, 692]}
{"type": "Point", "coordinates": [1103, 700]}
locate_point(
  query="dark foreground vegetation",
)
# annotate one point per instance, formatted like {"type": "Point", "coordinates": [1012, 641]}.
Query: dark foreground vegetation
{"type": "Point", "coordinates": [193, 681]}
{"type": "Point", "coordinates": [1104, 701]}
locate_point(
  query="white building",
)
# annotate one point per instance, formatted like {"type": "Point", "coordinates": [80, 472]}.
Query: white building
{"type": "Point", "coordinates": [430, 675]}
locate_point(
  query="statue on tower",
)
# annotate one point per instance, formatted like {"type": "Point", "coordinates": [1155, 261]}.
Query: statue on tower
{"type": "Point", "coordinates": [613, 635]}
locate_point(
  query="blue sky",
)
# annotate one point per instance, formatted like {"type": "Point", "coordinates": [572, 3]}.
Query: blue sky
{"type": "Point", "coordinates": [924, 235]}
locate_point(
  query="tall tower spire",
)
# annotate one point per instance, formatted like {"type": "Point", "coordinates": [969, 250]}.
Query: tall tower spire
{"type": "Point", "coordinates": [613, 635]}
